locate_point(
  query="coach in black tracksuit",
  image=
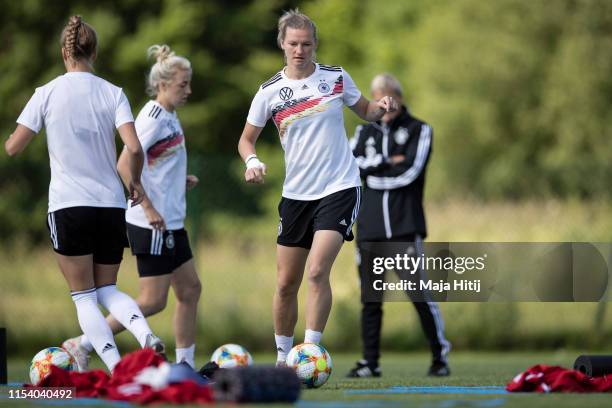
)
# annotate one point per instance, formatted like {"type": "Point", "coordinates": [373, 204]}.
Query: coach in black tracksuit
{"type": "Point", "coordinates": [392, 155]}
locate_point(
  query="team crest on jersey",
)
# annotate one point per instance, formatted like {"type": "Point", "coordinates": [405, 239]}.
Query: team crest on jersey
{"type": "Point", "coordinates": [401, 135]}
{"type": "Point", "coordinates": [170, 240]}
{"type": "Point", "coordinates": [285, 93]}
{"type": "Point", "coordinates": [324, 87]}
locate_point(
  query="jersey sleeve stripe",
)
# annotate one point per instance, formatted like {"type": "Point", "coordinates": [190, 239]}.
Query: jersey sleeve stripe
{"type": "Point", "coordinates": [272, 80]}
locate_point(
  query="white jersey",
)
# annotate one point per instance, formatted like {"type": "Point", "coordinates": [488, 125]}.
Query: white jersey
{"type": "Point", "coordinates": [164, 175]}
{"type": "Point", "coordinates": [80, 112]}
{"type": "Point", "coordinates": [308, 115]}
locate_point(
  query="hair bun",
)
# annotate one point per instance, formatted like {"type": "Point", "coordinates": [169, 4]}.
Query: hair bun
{"type": "Point", "coordinates": [160, 52]}
{"type": "Point", "coordinates": [75, 20]}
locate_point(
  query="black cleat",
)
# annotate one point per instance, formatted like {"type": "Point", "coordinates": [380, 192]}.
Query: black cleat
{"type": "Point", "coordinates": [364, 370]}
{"type": "Point", "coordinates": [209, 369]}
{"type": "Point", "coordinates": [438, 370]}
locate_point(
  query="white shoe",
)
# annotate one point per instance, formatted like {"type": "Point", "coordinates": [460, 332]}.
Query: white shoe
{"type": "Point", "coordinates": [155, 343]}
{"type": "Point", "coordinates": [80, 354]}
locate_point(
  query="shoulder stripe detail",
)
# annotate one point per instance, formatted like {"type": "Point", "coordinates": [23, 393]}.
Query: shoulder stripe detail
{"type": "Point", "coordinates": [330, 68]}
{"type": "Point", "coordinates": [270, 81]}
{"type": "Point", "coordinates": [155, 111]}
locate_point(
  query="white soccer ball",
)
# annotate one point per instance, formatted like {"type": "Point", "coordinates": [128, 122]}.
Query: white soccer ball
{"type": "Point", "coordinates": [44, 359]}
{"type": "Point", "coordinates": [312, 364]}
{"type": "Point", "coordinates": [232, 355]}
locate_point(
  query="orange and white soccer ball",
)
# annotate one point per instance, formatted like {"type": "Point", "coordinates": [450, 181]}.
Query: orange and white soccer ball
{"type": "Point", "coordinates": [231, 355]}
{"type": "Point", "coordinates": [312, 364]}
{"type": "Point", "coordinates": [44, 359]}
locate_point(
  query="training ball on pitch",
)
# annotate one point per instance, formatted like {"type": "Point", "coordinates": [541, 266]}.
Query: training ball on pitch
{"type": "Point", "coordinates": [232, 355]}
{"type": "Point", "coordinates": [312, 364]}
{"type": "Point", "coordinates": [44, 359]}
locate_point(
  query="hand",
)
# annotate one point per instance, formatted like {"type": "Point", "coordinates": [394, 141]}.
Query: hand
{"type": "Point", "coordinates": [154, 218]}
{"type": "Point", "coordinates": [192, 181]}
{"type": "Point", "coordinates": [255, 175]}
{"type": "Point", "coordinates": [387, 104]}
{"type": "Point", "coordinates": [397, 158]}
{"type": "Point", "coordinates": [137, 192]}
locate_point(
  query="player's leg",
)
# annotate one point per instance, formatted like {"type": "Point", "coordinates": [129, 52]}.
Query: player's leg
{"type": "Point", "coordinates": [325, 248]}
{"type": "Point", "coordinates": [332, 224]}
{"type": "Point", "coordinates": [187, 288]}
{"type": "Point", "coordinates": [111, 239]}
{"type": "Point", "coordinates": [122, 307]}
{"type": "Point", "coordinates": [71, 233]}
{"type": "Point", "coordinates": [293, 244]}
{"type": "Point", "coordinates": [290, 263]}
{"type": "Point", "coordinates": [152, 296]}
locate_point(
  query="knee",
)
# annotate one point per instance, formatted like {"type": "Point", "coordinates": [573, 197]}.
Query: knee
{"type": "Point", "coordinates": [287, 287]}
{"type": "Point", "coordinates": [318, 275]}
{"type": "Point", "coordinates": [189, 293]}
{"type": "Point", "coordinates": [152, 305]}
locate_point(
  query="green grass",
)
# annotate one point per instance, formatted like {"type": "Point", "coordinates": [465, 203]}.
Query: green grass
{"type": "Point", "coordinates": [236, 264]}
{"type": "Point", "coordinates": [408, 369]}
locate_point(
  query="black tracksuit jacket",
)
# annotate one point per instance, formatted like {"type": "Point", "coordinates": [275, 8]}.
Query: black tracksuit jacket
{"type": "Point", "coordinates": [392, 202]}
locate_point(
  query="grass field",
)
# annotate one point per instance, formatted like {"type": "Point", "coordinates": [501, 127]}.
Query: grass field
{"type": "Point", "coordinates": [407, 370]}
{"type": "Point", "coordinates": [237, 267]}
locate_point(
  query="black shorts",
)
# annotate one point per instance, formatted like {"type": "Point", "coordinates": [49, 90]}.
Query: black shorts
{"type": "Point", "coordinates": [158, 253]}
{"type": "Point", "coordinates": [100, 231]}
{"type": "Point", "coordinates": [300, 219]}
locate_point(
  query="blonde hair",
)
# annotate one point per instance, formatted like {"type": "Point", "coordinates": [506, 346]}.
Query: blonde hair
{"type": "Point", "coordinates": [79, 39]}
{"type": "Point", "coordinates": [297, 20]}
{"type": "Point", "coordinates": [166, 65]}
{"type": "Point", "coordinates": [386, 82]}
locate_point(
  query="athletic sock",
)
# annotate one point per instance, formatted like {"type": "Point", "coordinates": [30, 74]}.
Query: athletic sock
{"type": "Point", "coordinates": [312, 336]}
{"type": "Point", "coordinates": [96, 328]}
{"type": "Point", "coordinates": [186, 354]}
{"type": "Point", "coordinates": [125, 310]}
{"type": "Point", "coordinates": [283, 346]}
{"type": "Point", "coordinates": [86, 344]}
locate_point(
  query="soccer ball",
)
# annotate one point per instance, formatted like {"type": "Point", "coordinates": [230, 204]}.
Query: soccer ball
{"type": "Point", "coordinates": [312, 364]}
{"type": "Point", "coordinates": [232, 355]}
{"type": "Point", "coordinates": [44, 359]}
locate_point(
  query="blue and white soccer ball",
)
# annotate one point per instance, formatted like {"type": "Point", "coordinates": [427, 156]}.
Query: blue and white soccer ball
{"type": "Point", "coordinates": [231, 355]}
{"type": "Point", "coordinates": [312, 364]}
{"type": "Point", "coordinates": [44, 359]}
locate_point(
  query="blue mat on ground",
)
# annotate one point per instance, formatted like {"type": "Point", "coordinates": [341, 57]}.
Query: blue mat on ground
{"type": "Point", "coordinates": [486, 390]}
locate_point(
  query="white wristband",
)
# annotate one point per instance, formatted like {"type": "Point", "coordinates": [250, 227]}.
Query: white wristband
{"type": "Point", "coordinates": [254, 163]}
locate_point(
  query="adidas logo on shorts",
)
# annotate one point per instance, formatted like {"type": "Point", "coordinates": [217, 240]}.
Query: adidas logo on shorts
{"type": "Point", "coordinates": [343, 222]}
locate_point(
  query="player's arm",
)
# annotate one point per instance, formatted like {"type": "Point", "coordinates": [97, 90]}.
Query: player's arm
{"type": "Point", "coordinates": [18, 140]}
{"type": "Point", "coordinates": [123, 168]}
{"type": "Point", "coordinates": [135, 156]}
{"type": "Point", "coordinates": [255, 170]}
{"type": "Point", "coordinates": [372, 111]}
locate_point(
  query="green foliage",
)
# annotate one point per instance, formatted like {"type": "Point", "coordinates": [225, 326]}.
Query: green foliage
{"type": "Point", "coordinates": [518, 92]}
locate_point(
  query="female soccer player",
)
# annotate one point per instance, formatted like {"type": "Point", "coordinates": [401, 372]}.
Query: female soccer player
{"type": "Point", "coordinates": [86, 217]}
{"type": "Point", "coordinates": [156, 227]}
{"type": "Point", "coordinates": [321, 192]}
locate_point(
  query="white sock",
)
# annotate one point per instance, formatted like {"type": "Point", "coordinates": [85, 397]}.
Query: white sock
{"type": "Point", "coordinates": [86, 344]}
{"type": "Point", "coordinates": [283, 346]}
{"type": "Point", "coordinates": [96, 328]}
{"type": "Point", "coordinates": [125, 310]}
{"type": "Point", "coordinates": [312, 336]}
{"type": "Point", "coordinates": [186, 354]}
